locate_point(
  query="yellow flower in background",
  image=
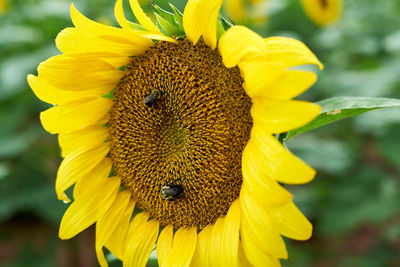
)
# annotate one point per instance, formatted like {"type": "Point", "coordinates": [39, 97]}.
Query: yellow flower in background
{"type": "Point", "coordinates": [322, 12]}
{"type": "Point", "coordinates": [3, 6]}
{"type": "Point", "coordinates": [247, 11]}
{"type": "Point", "coordinates": [170, 141]}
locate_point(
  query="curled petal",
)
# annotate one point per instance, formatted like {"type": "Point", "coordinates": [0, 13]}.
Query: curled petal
{"type": "Point", "coordinates": [239, 43]}
{"type": "Point", "coordinates": [258, 227]}
{"type": "Point", "coordinates": [290, 51]}
{"type": "Point", "coordinates": [75, 115]}
{"type": "Point", "coordinates": [89, 207]}
{"type": "Point", "coordinates": [75, 166]}
{"type": "Point", "coordinates": [106, 225]}
{"type": "Point", "coordinates": [200, 18]}
{"type": "Point", "coordinates": [282, 116]}
{"type": "Point", "coordinates": [291, 222]}
{"type": "Point", "coordinates": [143, 19]}
{"type": "Point", "coordinates": [275, 158]}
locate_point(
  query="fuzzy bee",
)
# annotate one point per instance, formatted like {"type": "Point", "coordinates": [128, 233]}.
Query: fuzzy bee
{"type": "Point", "coordinates": [171, 191]}
{"type": "Point", "coordinates": [152, 97]}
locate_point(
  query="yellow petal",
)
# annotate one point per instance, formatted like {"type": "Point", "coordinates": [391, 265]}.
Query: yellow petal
{"type": "Point", "coordinates": [242, 258]}
{"type": "Point", "coordinates": [216, 242]}
{"type": "Point", "coordinates": [143, 19]}
{"type": "Point", "coordinates": [183, 247]}
{"type": "Point", "coordinates": [99, 172]}
{"type": "Point", "coordinates": [201, 255]}
{"type": "Point", "coordinates": [256, 225]}
{"type": "Point", "coordinates": [89, 208]}
{"type": "Point", "coordinates": [290, 52]}
{"type": "Point", "coordinates": [116, 242]}
{"type": "Point", "coordinates": [282, 116]}
{"type": "Point", "coordinates": [142, 235]}
{"type": "Point", "coordinates": [74, 42]}
{"type": "Point", "coordinates": [75, 115]}
{"type": "Point", "coordinates": [291, 222]}
{"type": "Point", "coordinates": [238, 43]}
{"type": "Point", "coordinates": [277, 160]}
{"type": "Point", "coordinates": [120, 16]}
{"type": "Point", "coordinates": [76, 165]}
{"type": "Point", "coordinates": [117, 62]}
{"type": "Point", "coordinates": [54, 95]}
{"type": "Point", "coordinates": [291, 84]}
{"type": "Point", "coordinates": [164, 245]}
{"type": "Point", "coordinates": [256, 256]}
{"type": "Point", "coordinates": [107, 224]}
{"type": "Point", "coordinates": [259, 75]}
{"type": "Point", "coordinates": [158, 36]}
{"type": "Point", "coordinates": [230, 236]}
{"type": "Point", "coordinates": [200, 18]}
{"type": "Point", "coordinates": [94, 74]}
{"type": "Point", "coordinates": [83, 140]}
{"type": "Point", "coordinates": [258, 180]}
{"type": "Point", "coordinates": [107, 32]}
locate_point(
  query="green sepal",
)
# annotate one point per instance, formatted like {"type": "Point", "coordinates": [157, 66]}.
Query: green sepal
{"type": "Point", "coordinates": [226, 24]}
{"type": "Point", "coordinates": [222, 25]}
{"type": "Point", "coordinates": [178, 16]}
{"type": "Point", "coordinates": [338, 108]}
{"type": "Point", "coordinates": [220, 29]}
{"type": "Point", "coordinates": [167, 22]}
{"type": "Point", "coordinates": [136, 26]}
{"type": "Point", "coordinates": [168, 16]}
{"type": "Point", "coordinates": [167, 28]}
{"type": "Point", "coordinates": [122, 68]}
{"type": "Point", "coordinates": [109, 95]}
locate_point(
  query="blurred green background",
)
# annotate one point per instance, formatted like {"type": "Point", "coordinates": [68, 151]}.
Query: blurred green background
{"type": "Point", "coordinates": [354, 202]}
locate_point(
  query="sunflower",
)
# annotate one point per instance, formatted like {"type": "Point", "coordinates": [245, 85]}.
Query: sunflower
{"type": "Point", "coordinates": [249, 11]}
{"type": "Point", "coordinates": [171, 141]}
{"type": "Point", "coordinates": [322, 12]}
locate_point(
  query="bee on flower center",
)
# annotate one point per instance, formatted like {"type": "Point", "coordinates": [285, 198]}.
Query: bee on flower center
{"type": "Point", "coordinates": [171, 191]}
{"type": "Point", "coordinates": [152, 97]}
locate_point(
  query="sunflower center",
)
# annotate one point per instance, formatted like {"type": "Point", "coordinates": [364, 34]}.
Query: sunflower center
{"type": "Point", "coordinates": [323, 3]}
{"type": "Point", "coordinates": [179, 123]}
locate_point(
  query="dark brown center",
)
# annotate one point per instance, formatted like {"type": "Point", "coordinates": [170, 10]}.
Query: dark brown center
{"type": "Point", "coordinates": [323, 3]}
{"type": "Point", "coordinates": [190, 136]}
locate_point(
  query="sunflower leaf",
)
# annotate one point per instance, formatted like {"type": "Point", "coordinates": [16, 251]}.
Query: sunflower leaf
{"type": "Point", "coordinates": [338, 108]}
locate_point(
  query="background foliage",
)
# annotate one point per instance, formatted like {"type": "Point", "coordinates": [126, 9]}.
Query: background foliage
{"type": "Point", "coordinates": [354, 202]}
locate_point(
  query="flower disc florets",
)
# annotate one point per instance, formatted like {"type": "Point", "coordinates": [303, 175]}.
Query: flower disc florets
{"type": "Point", "coordinates": [192, 135]}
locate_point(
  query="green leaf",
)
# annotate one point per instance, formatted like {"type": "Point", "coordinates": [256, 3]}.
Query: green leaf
{"type": "Point", "coordinates": [338, 108]}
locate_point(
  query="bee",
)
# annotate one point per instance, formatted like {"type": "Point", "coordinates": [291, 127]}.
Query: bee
{"type": "Point", "coordinates": [171, 191]}
{"type": "Point", "coordinates": [152, 97]}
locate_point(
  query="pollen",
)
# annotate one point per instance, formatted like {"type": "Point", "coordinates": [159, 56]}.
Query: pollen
{"type": "Point", "coordinates": [191, 136]}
